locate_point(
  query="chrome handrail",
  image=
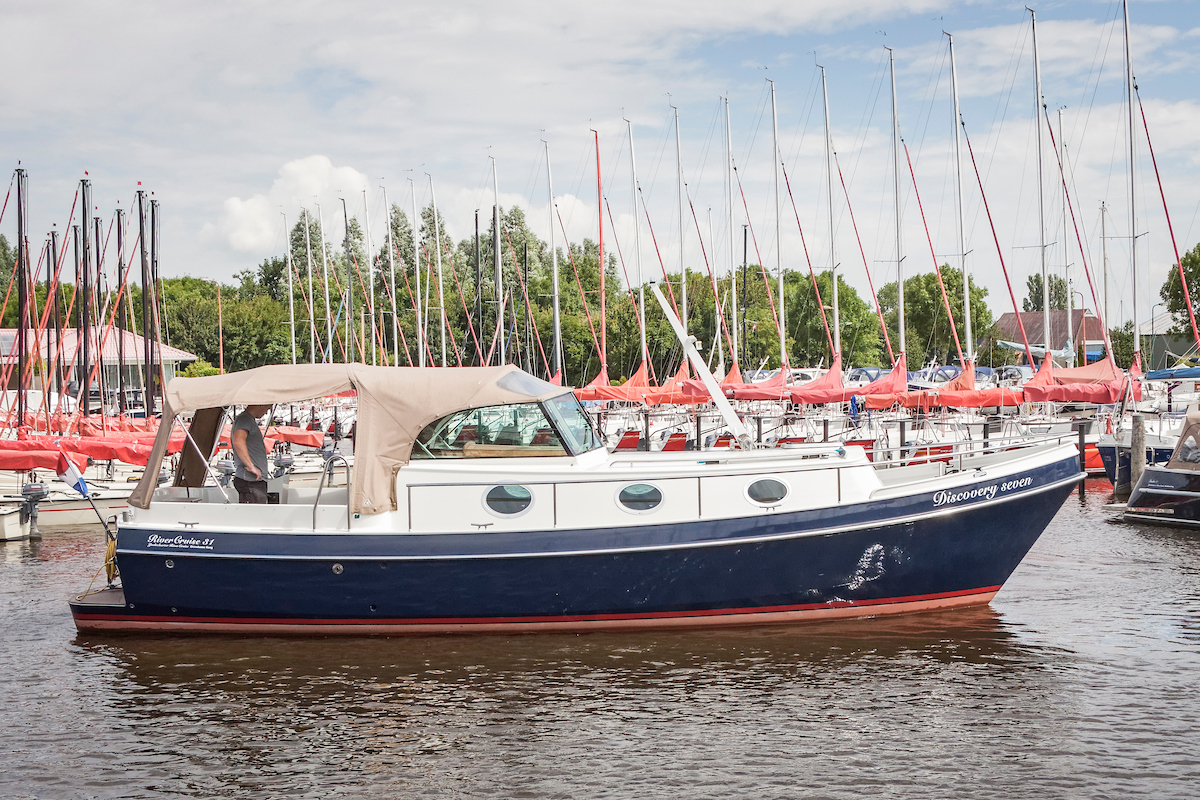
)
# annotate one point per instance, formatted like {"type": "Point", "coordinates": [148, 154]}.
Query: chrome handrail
{"type": "Point", "coordinates": [328, 473]}
{"type": "Point", "coordinates": [970, 447]}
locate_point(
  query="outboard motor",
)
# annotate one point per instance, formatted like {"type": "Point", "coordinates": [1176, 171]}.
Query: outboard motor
{"type": "Point", "coordinates": [283, 464]}
{"type": "Point", "coordinates": [32, 494]}
{"type": "Point", "coordinates": [224, 469]}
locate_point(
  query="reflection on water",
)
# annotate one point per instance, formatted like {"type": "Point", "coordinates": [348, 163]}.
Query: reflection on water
{"type": "Point", "coordinates": [1073, 683]}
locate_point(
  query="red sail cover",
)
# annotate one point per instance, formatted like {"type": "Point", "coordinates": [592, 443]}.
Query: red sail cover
{"type": "Point", "coordinates": [826, 389]}
{"type": "Point", "coordinates": [24, 460]}
{"type": "Point", "coordinates": [1100, 382]}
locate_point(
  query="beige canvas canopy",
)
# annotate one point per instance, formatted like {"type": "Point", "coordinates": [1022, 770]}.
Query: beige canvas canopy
{"type": "Point", "coordinates": [394, 405]}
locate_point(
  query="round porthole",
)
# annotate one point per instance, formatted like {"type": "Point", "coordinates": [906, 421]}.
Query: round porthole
{"type": "Point", "coordinates": [767, 491]}
{"type": "Point", "coordinates": [640, 497]}
{"type": "Point", "coordinates": [508, 500]}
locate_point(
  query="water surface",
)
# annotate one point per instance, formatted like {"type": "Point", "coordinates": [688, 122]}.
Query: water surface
{"type": "Point", "coordinates": [1079, 680]}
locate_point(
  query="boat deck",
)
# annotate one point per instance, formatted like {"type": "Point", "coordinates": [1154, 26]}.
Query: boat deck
{"type": "Point", "coordinates": [113, 597]}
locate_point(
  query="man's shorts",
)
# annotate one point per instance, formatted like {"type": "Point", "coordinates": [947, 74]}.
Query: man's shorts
{"type": "Point", "coordinates": [250, 491]}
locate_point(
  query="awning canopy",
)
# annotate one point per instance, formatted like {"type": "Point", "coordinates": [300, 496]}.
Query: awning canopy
{"type": "Point", "coordinates": [394, 405]}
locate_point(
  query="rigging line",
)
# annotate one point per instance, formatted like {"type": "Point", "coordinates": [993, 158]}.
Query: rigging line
{"type": "Point", "coordinates": [760, 112]}
{"type": "Point", "coordinates": [1001, 113]}
{"type": "Point", "coordinates": [413, 299]}
{"type": "Point", "coordinates": [7, 195]}
{"type": "Point", "coordinates": [582, 295]}
{"type": "Point", "coordinates": [449, 252]}
{"type": "Point", "coordinates": [658, 158]}
{"type": "Point", "coordinates": [866, 268]}
{"type": "Point", "coordinates": [528, 305]}
{"type": "Point", "coordinates": [1187, 295]}
{"type": "Point", "coordinates": [1096, 56]}
{"type": "Point", "coordinates": [716, 292]}
{"type": "Point", "coordinates": [931, 97]}
{"type": "Point", "coordinates": [864, 122]}
{"type": "Point", "coordinates": [754, 238]}
{"type": "Point", "coordinates": [628, 283]}
{"type": "Point", "coordinates": [657, 252]}
{"type": "Point", "coordinates": [1079, 238]}
{"type": "Point", "coordinates": [996, 239]}
{"type": "Point", "coordinates": [933, 255]}
{"type": "Point", "coordinates": [798, 134]}
{"type": "Point", "coordinates": [811, 273]}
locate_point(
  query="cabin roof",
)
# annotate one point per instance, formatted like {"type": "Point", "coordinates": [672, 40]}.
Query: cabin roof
{"type": "Point", "coordinates": [394, 405]}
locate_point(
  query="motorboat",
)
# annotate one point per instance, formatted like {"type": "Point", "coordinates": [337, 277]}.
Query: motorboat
{"type": "Point", "coordinates": [1168, 493]}
{"type": "Point", "coordinates": [482, 499]}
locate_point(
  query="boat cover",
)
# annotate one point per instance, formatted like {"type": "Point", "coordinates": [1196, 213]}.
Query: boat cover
{"type": "Point", "coordinates": [394, 404]}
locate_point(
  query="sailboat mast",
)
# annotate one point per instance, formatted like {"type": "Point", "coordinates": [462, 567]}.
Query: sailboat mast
{"type": "Point", "coordinates": [287, 265]}
{"type": "Point", "coordinates": [729, 230]}
{"type": "Point", "coordinates": [1062, 159]}
{"type": "Point", "coordinates": [837, 327]}
{"type": "Point", "coordinates": [437, 243]}
{"type": "Point", "coordinates": [392, 283]}
{"type": "Point", "coordinates": [1133, 234]}
{"type": "Point", "coordinates": [501, 352]}
{"type": "Point", "coordinates": [896, 202]}
{"type": "Point", "coordinates": [958, 209]}
{"type": "Point", "coordinates": [85, 305]}
{"type": "Point", "coordinates": [637, 248]}
{"type": "Point", "coordinates": [22, 290]}
{"type": "Point", "coordinates": [350, 354]}
{"type": "Point", "coordinates": [600, 220]}
{"type": "Point", "coordinates": [1037, 111]}
{"type": "Point", "coordinates": [370, 251]}
{"type": "Point", "coordinates": [416, 235]}
{"type": "Point", "coordinates": [776, 159]}
{"type": "Point", "coordinates": [1104, 257]}
{"type": "Point", "coordinates": [683, 308]}
{"type": "Point", "coordinates": [312, 300]}
{"type": "Point", "coordinates": [327, 355]}
{"type": "Point", "coordinates": [147, 324]}
{"type": "Point", "coordinates": [557, 344]}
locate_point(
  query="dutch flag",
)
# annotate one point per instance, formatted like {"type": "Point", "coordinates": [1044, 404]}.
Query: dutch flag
{"type": "Point", "coordinates": [69, 474]}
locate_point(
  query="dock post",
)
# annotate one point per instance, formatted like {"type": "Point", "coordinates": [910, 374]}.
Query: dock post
{"type": "Point", "coordinates": [1081, 428]}
{"type": "Point", "coordinates": [826, 427]}
{"type": "Point", "coordinates": [1137, 450]}
{"type": "Point", "coordinates": [646, 428]}
{"type": "Point", "coordinates": [758, 424]}
{"type": "Point", "coordinates": [699, 444]}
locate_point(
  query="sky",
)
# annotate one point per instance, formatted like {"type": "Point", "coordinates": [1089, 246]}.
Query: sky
{"type": "Point", "coordinates": [237, 115]}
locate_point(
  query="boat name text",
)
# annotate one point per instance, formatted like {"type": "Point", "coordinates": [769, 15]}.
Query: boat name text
{"type": "Point", "coordinates": [943, 497]}
{"type": "Point", "coordinates": [184, 542]}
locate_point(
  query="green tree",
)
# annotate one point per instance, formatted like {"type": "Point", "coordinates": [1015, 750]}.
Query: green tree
{"type": "Point", "coordinates": [8, 259]}
{"type": "Point", "coordinates": [1172, 291]}
{"type": "Point", "coordinates": [928, 334]}
{"type": "Point", "coordinates": [1033, 293]}
{"type": "Point", "coordinates": [1122, 344]}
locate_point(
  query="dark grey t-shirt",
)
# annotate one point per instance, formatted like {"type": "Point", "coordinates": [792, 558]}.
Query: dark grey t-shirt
{"type": "Point", "coordinates": [255, 446]}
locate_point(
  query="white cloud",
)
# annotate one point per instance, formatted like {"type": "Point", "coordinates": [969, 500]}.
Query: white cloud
{"type": "Point", "coordinates": [255, 225]}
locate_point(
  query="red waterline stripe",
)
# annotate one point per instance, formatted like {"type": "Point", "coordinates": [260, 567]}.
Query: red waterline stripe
{"type": "Point", "coordinates": [567, 618]}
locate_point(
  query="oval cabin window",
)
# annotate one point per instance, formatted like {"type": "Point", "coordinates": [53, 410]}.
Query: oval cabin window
{"type": "Point", "coordinates": [509, 499]}
{"type": "Point", "coordinates": [640, 497]}
{"type": "Point", "coordinates": [767, 491]}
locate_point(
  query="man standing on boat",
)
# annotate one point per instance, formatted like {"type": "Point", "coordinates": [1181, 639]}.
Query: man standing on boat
{"type": "Point", "coordinates": [250, 452]}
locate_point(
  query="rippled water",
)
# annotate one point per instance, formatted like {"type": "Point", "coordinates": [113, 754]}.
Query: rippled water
{"type": "Point", "coordinates": [1080, 680]}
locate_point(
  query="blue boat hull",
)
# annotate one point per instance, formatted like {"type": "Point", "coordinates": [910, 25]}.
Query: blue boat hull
{"type": "Point", "coordinates": [1117, 461]}
{"type": "Point", "coordinates": [917, 552]}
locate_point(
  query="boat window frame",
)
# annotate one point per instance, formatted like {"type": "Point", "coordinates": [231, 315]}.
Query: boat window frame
{"type": "Point", "coordinates": [558, 425]}
{"type": "Point", "coordinates": [483, 499]}
{"type": "Point", "coordinates": [662, 497]}
{"type": "Point", "coordinates": [765, 504]}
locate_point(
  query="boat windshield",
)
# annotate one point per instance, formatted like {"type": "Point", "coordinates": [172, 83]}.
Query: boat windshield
{"type": "Point", "coordinates": [1187, 452]}
{"type": "Point", "coordinates": [573, 424]}
{"type": "Point", "coordinates": [519, 430]}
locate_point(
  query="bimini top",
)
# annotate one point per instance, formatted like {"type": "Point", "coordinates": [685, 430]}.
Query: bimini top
{"type": "Point", "coordinates": [394, 405]}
